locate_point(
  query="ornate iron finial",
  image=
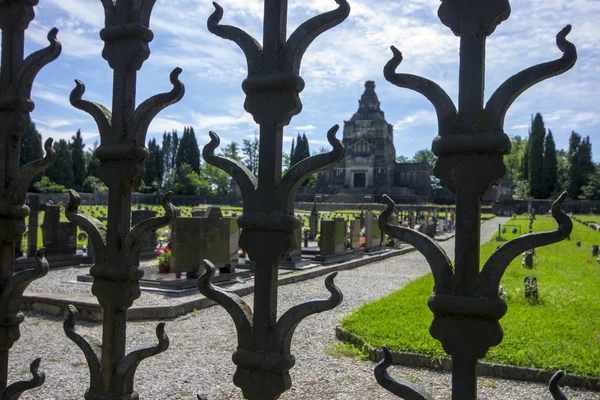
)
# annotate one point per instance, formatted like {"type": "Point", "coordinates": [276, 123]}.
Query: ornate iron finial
{"type": "Point", "coordinates": [470, 145]}
{"type": "Point", "coordinates": [123, 129]}
{"type": "Point", "coordinates": [16, 80]}
{"type": "Point", "coordinates": [272, 90]}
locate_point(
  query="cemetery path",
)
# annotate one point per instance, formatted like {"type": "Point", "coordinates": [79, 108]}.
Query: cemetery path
{"type": "Point", "coordinates": [199, 359]}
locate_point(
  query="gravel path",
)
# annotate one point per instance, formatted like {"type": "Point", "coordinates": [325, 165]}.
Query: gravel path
{"type": "Point", "coordinates": [199, 359]}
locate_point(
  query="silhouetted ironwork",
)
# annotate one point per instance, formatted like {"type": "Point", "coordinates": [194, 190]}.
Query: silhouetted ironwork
{"type": "Point", "coordinates": [16, 79]}
{"type": "Point", "coordinates": [122, 154]}
{"type": "Point", "coordinates": [272, 90]}
{"type": "Point", "coordinates": [470, 146]}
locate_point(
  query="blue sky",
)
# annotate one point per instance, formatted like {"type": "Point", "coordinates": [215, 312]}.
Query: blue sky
{"type": "Point", "coordinates": [334, 68]}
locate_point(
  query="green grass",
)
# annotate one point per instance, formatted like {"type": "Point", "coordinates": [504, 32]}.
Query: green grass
{"type": "Point", "coordinates": [561, 332]}
{"type": "Point", "coordinates": [589, 218]}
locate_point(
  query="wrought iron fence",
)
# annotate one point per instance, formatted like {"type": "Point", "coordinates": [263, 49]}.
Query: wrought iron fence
{"type": "Point", "coordinates": [470, 147]}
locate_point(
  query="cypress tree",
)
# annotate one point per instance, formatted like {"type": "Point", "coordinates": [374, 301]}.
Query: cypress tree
{"type": "Point", "coordinates": [188, 151]}
{"type": "Point", "coordinates": [31, 145]}
{"type": "Point", "coordinates": [292, 152]}
{"type": "Point", "coordinates": [305, 148]}
{"type": "Point", "coordinates": [574, 165]}
{"type": "Point", "coordinates": [153, 176]}
{"type": "Point", "coordinates": [61, 171]}
{"type": "Point", "coordinates": [549, 172]}
{"type": "Point", "coordinates": [79, 171]}
{"type": "Point", "coordinates": [536, 157]}
{"type": "Point", "coordinates": [585, 161]}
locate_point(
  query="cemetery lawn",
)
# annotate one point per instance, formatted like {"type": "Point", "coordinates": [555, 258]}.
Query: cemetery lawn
{"type": "Point", "coordinates": [561, 332]}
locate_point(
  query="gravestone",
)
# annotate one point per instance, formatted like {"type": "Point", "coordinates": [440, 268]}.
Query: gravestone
{"type": "Point", "coordinates": [428, 227]}
{"type": "Point", "coordinates": [332, 237]}
{"type": "Point", "coordinates": [149, 244]}
{"type": "Point", "coordinates": [211, 237]}
{"type": "Point", "coordinates": [361, 218]}
{"type": "Point", "coordinates": [33, 201]}
{"type": "Point", "coordinates": [411, 219]}
{"type": "Point", "coordinates": [185, 254]}
{"type": "Point", "coordinates": [293, 260]}
{"type": "Point", "coordinates": [595, 250]}
{"type": "Point", "coordinates": [528, 259]}
{"type": "Point", "coordinates": [313, 223]}
{"type": "Point", "coordinates": [372, 233]}
{"type": "Point", "coordinates": [578, 244]}
{"type": "Point", "coordinates": [332, 246]}
{"type": "Point", "coordinates": [355, 235]}
{"type": "Point", "coordinates": [197, 213]}
{"type": "Point", "coordinates": [58, 237]}
{"type": "Point", "coordinates": [531, 288]}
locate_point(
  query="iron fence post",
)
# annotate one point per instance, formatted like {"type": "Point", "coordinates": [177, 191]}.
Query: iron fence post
{"type": "Point", "coordinates": [470, 148]}
{"type": "Point", "coordinates": [16, 79]}
{"type": "Point", "coordinates": [122, 154]}
{"type": "Point", "coordinates": [272, 90]}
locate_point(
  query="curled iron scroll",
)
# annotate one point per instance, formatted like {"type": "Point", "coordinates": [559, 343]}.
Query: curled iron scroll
{"type": "Point", "coordinates": [403, 389]}
{"type": "Point", "coordinates": [250, 46]}
{"type": "Point", "coordinates": [507, 93]}
{"type": "Point", "coordinates": [495, 266]}
{"type": "Point", "coordinates": [240, 312]}
{"type": "Point", "coordinates": [301, 171]}
{"type": "Point", "coordinates": [101, 114]}
{"type": "Point", "coordinates": [305, 34]}
{"type": "Point", "coordinates": [444, 107]}
{"type": "Point", "coordinates": [242, 175]}
{"type": "Point", "coordinates": [291, 318]}
{"type": "Point", "coordinates": [146, 111]}
{"type": "Point", "coordinates": [18, 188]}
{"type": "Point", "coordinates": [14, 391]}
{"type": "Point", "coordinates": [557, 394]}
{"type": "Point", "coordinates": [135, 237]}
{"type": "Point", "coordinates": [94, 228]}
{"type": "Point", "coordinates": [125, 372]}
{"type": "Point", "coordinates": [35, 62]}
{"type": "Point", "coordinates": [436, 257]}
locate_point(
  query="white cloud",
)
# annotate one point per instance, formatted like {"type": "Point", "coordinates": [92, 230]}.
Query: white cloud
{"type": "Point", "coordinates": [305, 128]}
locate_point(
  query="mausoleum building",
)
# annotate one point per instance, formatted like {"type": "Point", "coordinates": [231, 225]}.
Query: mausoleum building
{"type": "Point", "coordinates": [369, 167]}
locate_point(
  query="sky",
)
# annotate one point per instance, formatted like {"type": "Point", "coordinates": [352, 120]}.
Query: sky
{"type": "Point", "coordinates": [334, 68]}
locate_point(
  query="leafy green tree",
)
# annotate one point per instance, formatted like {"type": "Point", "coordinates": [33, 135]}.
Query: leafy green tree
{"type": "Point", "coordinates": [425, 156]}
{"type": "Point", "coordinates": [31, 145]}
{"type": "Point", "coordinates": [250, 154]}
{"type": "Point", "coordinates": [301, 151]}
{"type": "Point", "coordinates": [78, 157]}
{"type": "Point", "coordinates": [232, 150]}
{"type": "Point", "coordinates": [188, 151]}
{"type": "Point", "coordinates": [170, 145]}
{"type": "Point", "coordinates": [219, 181]}
{"type": "Point", "coordinates": [550, 167]}
{"type": "Point", "coordinates": [93, 184]}
{"type": "Point", "coordinates": [31, 149]}
{"type": "Point", "coordinates": [187, 181]}
{"type": "Point", "coordinates": [580, 164]}
{"type": "Point", "coordinates": [402, 159]}
{"type": "Point", "coordinates": [92, 162]}
{"type": "Point", "coordinates": [562, 172]}
{"type": "Point", "coordinates": [61, 172]}
{"type": "Point", "coordinates": [45, 185]}
{"type": "Point", "coordinates": [591, 191]}
{"type": "Point", "coordinates": [536, 157]}
{"type": "Point", "coordinates": [154, 166]}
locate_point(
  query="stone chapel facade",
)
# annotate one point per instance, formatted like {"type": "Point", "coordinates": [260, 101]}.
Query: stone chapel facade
{"type": "Point", "coordinates": [369, 167]}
